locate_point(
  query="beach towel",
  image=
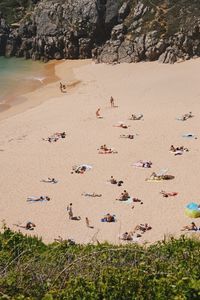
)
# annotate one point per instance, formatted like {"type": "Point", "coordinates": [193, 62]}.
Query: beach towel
{"type": "Point", "coordinates": [180, 119]}
{"type": "Point", "coordinates": [192, 210]}
{"type": "Point", "coordinates": [178, 152]}
{"type": "Point", "coordinates": [128, 201]}
{"type": "Point", "coordinates": [154, 180]}
{"type": "Point", "coordinates": [36, 199]}
{"type": "Point", "coordinates": [162, 172]}
{"type": "Point", "coordinates": [189, 136]}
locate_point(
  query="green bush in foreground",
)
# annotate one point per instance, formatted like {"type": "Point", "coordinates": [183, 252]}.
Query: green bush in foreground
{"type": "Point", "coordinates": [32, 270]}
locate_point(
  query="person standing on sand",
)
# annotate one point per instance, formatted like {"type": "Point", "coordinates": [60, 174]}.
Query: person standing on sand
{"type": "Point", "coordinates": [98, 113]}
{"type": "Point", "coordinates": [112, 102]}
{"type": "Point", "coordinates": [61, 87]}
{"type": "Point", "coordinates": [70, 212]}
{"type": "Point", "coordinates": [87, 222]}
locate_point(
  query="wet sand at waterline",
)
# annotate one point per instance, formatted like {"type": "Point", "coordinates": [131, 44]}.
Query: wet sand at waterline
{"type": "Point", "coordinates": [160, 92]}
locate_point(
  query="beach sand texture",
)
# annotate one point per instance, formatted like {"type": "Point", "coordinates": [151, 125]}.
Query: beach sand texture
{"type": "Point", "coordinates": [160, 92]}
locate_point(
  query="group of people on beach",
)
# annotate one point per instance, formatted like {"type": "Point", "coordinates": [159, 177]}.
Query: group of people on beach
{"type": "Point", "coordinates": [124, 196]}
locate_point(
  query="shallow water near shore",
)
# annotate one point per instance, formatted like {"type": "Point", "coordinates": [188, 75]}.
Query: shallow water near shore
{"type": "Point", "coordinates": [19, 76]}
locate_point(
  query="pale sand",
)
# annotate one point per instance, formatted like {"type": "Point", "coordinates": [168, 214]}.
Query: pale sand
{"type": "Point", "coordinates": [160, 92]}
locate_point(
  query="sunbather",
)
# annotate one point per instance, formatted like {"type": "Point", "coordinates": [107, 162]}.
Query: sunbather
{"type": "Point", "coordinates": [91, 195]}
{"type": "Point", "coordinates": [190, 227]}
{"type": "Point", "coordinates": [108, 218]}
{"type": "Point", "coordinates": [143, 227]}
{"type": "Point", "coordinates": [41, 198]}
{"type": "Point", "coordinates": [88, 223]}
{"type": "Point", "coordinates": [105, 150]}
{"type": "Point", "coordinates": [177, 150]}
{"type": "Point", "coordinates": [155, 176]}
{"type": "Point", "coordinates": [185, 116]}
{"type": "Point", "coordinates": [55, 137]}
{"type": "Point", "coordinates": [124, 196]}
{"type": "Point", "coordinates": [127, 136]}
{"type": "Point", "coordinates": [143, 164]}
{"type": "Point", "coordinates": [30, 226]}
{"type": "Point", "coordinates": [168, 194]}
{"type": "Point", "coordinates": [136, 117]}
{"type": "Point", "coordinates": [121, 125]}
{"type": "Point", "coordinates": [127, 236]}
{"type": "Point", "coordinates": [112, 180]}
{"type": "Point", "coordinates": [49, 180]}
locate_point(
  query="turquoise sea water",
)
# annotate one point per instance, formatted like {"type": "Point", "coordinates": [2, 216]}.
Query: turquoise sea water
{"type": "Point", "coordinates": [18, 75]}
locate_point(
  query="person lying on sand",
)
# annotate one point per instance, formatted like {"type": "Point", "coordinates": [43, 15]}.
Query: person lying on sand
{"type": "Point", "coordinates": [60, 240]}
{"type": "Point", "coordinates": [168, 194]}
{"type": "Point", "coordinates": [143, 164]}
{"type": "Point", "coordinates": [155, 176]}
{"type": "Point", "coordinates": [49, 180]}
{"type": "Point", "coordinates": [55, 137]}
{"type": "Point", "coordinates": [41, 198]}
{"type": "Point", "coordinates": [105, 150]}
{"type": "Point", "coordinates": [88, 223]}
{"type": "Point", "coordinates": [121, 125]}
{"type": "Point", "coordinates": [108, 218]}
{"type": "Point", "coordinates": [136, 117]}
{"type": "Point", "coordinates": [80, 169]}
{"type": "Point", "coordinates": [143, 227]}
{"type": "Point", "coordinates": [91, 195]}
{"type": "Point", "coordinates": [186, 116]}
{"type": "Point", "coordinates": [29, 225]}
{"type": "Point", "coordinates": [127, 236]}
{"type": "Point", "coordinates": [190, 227]}
{"type": "Point", "coordinates": [124, 196]}
{"type": "Point", "coordinates": [178, 149]}
{"type": "Point", "coordinates": [76, 218]}
{"type": "Point", "coordinates": [112, 180]}
{"type": "Point", "coordinates": [127, 136]}
{"type": "Point", "coordinates": [136, 200]}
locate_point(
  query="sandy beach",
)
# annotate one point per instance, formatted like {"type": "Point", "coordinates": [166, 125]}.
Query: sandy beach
{"type": "Point", "coordinates": [160, 92]}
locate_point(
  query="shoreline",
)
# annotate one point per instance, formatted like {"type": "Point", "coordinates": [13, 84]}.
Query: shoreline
{"type": "Point", "coordinates": [16, 104]}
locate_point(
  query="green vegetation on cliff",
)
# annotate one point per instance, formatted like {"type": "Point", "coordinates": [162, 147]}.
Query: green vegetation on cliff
{"type": "Point", "coordinates": [32, 270]}
{"type": "Point", "coordinates": [13, 10]}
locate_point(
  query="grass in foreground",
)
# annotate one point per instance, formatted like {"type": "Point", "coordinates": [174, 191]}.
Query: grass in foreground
{"type": "Point", "coordinates": [32, 270]}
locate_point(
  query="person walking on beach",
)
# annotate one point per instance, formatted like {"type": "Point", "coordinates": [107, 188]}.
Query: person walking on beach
{"type": "Point", "coordinates": [87, 222]}
{"type": "Point", "coordinates": [98, 113]}
{"type": "Point", "coordinates": [70, 212]}
{"type": "Point", "coordinates": [112, 102]}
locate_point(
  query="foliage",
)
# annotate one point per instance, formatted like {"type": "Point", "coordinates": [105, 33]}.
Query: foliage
{"type": "Point", "coordinates": [32, 270]}
{"type": "Point", "coordinates": [14, 10]}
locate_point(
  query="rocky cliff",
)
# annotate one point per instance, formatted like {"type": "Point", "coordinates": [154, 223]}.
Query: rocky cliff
{"type": "Point", "coordinates": [110, 31]}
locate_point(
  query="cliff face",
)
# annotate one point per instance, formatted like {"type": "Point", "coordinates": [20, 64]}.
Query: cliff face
{"type": "Point", "coordinates": [110, 31]}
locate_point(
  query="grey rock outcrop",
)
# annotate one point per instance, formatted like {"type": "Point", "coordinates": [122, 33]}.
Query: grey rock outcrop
{"type": "Point", "coordinates": [110, 31]}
